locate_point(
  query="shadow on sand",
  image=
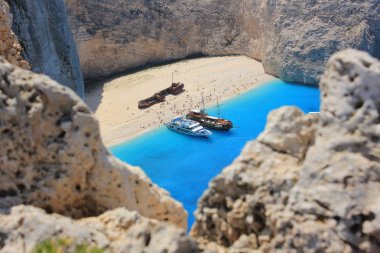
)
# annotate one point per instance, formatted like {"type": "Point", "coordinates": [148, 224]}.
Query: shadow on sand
{"type": "Point", "coordinates": [94, 94]}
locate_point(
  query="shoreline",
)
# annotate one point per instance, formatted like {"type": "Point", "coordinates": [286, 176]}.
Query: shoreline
{"type": "Point", "coordinates": [114, 100]}
{"type": "Point", "coordinates": [214, 102]}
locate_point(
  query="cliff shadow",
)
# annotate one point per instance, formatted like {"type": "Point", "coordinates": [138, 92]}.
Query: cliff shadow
{"type": "Point", "coordinates": [93, 95]}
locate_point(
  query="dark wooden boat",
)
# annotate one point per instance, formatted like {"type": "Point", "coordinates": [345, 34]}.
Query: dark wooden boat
{"type": "Point", "coordinates": [209, 121]}
{"type": "Point", "coordinates": [156, 98]}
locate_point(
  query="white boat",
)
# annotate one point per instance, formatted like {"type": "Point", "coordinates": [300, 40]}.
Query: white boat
{"type": "Point", "coordinates": [187, 126]}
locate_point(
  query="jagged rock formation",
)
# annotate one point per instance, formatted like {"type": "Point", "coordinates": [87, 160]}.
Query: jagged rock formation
{"type": "Point", "coordinates": [52, 156]}
{"type": "Point", "coordinates": [245, 197]}
{"type": "Point", "coordinates": [117, 231]}
{"type": "Point", "coordinates": [293, 38]}
{"type": "Point", "coordinates": [305, 186]}
{"type": "Point", "coordinates": [10, 48]}
{"type": "Point", "coordinates": [335, 203]}
{"type": "Point", "coordinates": [42, 28]}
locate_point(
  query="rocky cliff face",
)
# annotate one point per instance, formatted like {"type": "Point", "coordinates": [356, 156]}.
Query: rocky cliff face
{"type": "Point", "coordinates": [293, 38]}
{"type": "Point", "coordinates": [116, 35]}
{"type": "Point", "coordinates": [304, 34]}
{"type": "Point", "coordinates": [306, 184]}
{"type": "Point", "coordinates": [49, 47]}
{"type": "Point", "coordinates": [52, 156]}
{"type": "Point", "coordinates": [10, 47]}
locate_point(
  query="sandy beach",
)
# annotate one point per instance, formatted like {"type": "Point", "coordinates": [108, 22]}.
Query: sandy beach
{"type": "Point", "coordinates": [114, 101]}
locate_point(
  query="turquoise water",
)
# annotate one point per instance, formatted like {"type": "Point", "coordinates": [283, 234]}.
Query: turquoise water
{"type": "Point", "coordinates": [184, 165]}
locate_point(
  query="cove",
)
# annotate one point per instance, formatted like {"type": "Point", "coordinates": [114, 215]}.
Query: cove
{"type": "Point", "coordinates": [184, 165]}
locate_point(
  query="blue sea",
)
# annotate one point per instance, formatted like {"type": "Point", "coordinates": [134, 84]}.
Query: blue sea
{"type": "Point", "coordinates": [184, 165]}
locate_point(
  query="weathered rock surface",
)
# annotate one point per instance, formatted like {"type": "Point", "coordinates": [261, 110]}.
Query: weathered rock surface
{"type": "Point", "coordinates": [246, 198]}
{"type": "Point", "coordinates": [116, 35]}
{"type": "Point", "coordinates": [10, 48]}
{"type": "Point", "coordinates": [52, 156]}
{"type": "Point", "coordinates": [320, 194]}
{"type": "Point", "coordinates": [43, 29]}
{"type": "Point", "coordinates": [302, 35]}
{"type": "Point", "coordinates": [117, 231]}
{"type": "Point", "coordinates": [335, 205]}
{"type": "Point", "coordinates": [293, 38]}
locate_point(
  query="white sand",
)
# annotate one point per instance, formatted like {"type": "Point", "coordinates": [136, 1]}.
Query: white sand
{"type": "Point", "coordinates": [114, 101]}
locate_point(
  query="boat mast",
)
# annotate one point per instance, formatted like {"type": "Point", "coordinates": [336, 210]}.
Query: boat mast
{"type": "Point", "coordinates": [218, 106]}
{"type": "Point", "coordinates": [203, 103]}
{"type": "Point", "coordinates": [173, 75]}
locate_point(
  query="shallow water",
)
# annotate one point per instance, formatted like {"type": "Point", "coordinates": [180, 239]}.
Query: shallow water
{"type": "Point", "coordinates": [184, 165]}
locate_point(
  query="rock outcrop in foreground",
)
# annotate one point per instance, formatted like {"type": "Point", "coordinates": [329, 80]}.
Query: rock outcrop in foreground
{"type": "Point", "coordinates": [42, 27]}
{"type": "Point", "coordinates": [52, 156]}
{"type": "Point", "coordinates": [293, 38]}
{"type": "Point", "coordinates": [306, 184]}
{"type": "Point", "coordinates": [117, 231]}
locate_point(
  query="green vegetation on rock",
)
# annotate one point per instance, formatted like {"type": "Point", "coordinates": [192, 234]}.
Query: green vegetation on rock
{"type": "Point", "coordinates": [64, 246]}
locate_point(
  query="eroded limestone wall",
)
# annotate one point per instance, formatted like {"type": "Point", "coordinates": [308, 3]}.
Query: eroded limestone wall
{"type": "Point", "coordinates": [293, 38]}
{"type": "Point", "coordinates": [117, 35]}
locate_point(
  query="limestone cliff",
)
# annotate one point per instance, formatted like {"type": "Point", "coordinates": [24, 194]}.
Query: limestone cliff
{"type": "Point", "coordinates": [293, 38]}
{"type": "Point", "coordinates": [117, 35]}
{"type": "Point", "coordinates": [302, 35]}
{"type": "Point", "coordinates": [52, 156]}
{"type": "Point", "coordinates": [306, 184]}
{"type": "Point", "coordinates": [43, 30]}
{"type": "Point", "coordinates": [10, 47]}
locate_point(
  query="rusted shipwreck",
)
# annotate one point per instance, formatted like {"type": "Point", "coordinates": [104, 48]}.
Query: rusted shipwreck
{"type": "Point", "coordinates": [159, 97]}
